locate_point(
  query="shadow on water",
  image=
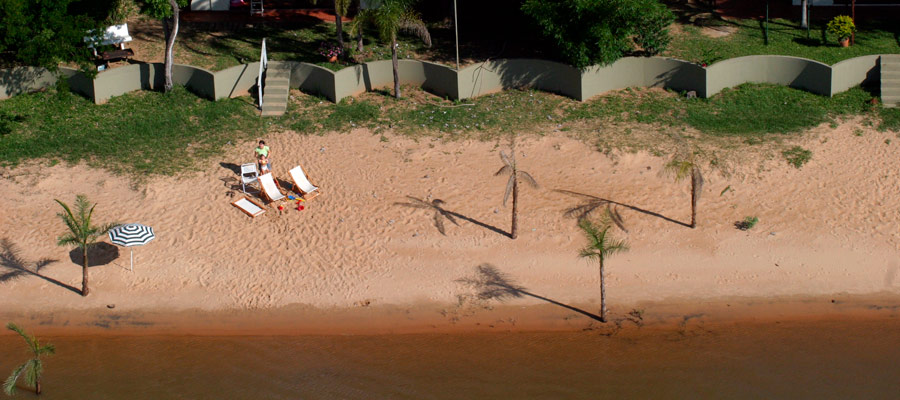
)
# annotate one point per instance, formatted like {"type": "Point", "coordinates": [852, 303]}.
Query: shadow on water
{"type": "Point", "coordinates": [13, 266]}
{"type": "Point", "coordinates": [492, 284]}
{"type": "Point", "coordinates": [439, 214]}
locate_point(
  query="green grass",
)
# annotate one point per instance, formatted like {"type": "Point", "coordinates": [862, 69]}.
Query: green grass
{"type": "Point", "coordinates": [797, 156]}
{"type": "Point", "coordinates": [138, 133]}
{"type": "Point", "coordinates": [748, 110]}
{"type": "Point", "coordinates": [785, 38]}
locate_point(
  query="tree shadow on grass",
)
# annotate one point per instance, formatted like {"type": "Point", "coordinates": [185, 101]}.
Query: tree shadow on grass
{"type": "Point", "coordinates": [439, 214]}
{"type": "Point", "coordinates": [491, 284]}
{"type": "Point", "coordinates": [592, 203]}
{"type": "Point", "coordinates": [12, 266]}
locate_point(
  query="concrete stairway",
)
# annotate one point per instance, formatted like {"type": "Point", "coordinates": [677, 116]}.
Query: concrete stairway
{"type": "Point", "coordinates": [275, 88]}
{"type": "Point", "coordinates": [890, 80]}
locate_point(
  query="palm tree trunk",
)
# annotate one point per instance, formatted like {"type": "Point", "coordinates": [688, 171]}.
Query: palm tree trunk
{"type": "Point", "coordinates": [359, 41]}
{"type": "Point", "coordinates": [602, 292]}
{"type": "Point", "coordinates": [514, 232]}
{"type": "Point", "coordinates": [804, 4]}
{"type": "Point", "coordinates": [37, 386]}
{"type": "Point", "coordinates": [84, 273]}
{"type": "Point", "coordinates": [339, 26]}
{"type": "Point", "coordinates": [396, 66]}
{"type": "Point", "coordinates": [170, 44]}
{"type": "Point", "coordinates": [693, 200]}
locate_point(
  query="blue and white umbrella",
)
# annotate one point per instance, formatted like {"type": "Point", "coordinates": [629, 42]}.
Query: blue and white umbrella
{"type": "Point", "coordinates": [129, 235]}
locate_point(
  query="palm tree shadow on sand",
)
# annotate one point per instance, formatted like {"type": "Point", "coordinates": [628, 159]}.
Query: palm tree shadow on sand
{"type": "Point", "coordinates": [439, 214]}
{"type": "Point", "coordinates": [491, 284]}
{"type": "Point", "coordinates": [12, 266]}
{"type": "Point", "coordinates": [592, 203]}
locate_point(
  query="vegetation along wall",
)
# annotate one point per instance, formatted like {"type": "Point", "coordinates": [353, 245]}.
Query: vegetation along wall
{"type": "Point", "coordinates": [472, 81]}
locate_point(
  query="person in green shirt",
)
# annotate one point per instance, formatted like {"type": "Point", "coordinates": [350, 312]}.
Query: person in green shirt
{"type": "Point", "coordinates": [263, 155]}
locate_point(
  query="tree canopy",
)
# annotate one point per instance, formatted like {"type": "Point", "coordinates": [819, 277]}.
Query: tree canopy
{"type": "Point", "coordinates": [588, 32]}
{"type": "Point", "coordinates": [44, 32]}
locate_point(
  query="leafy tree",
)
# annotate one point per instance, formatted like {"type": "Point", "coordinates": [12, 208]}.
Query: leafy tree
{"type": "Point", "coordinates": [31, 369]}
{"type": "Point", "coordinates": [588, 32]}
{"type": "Point", "coordinates": [600, 247]}
{"type": "Point", "coordinates": [44, 33]}
{"type": "Point", "coordinates": [683, 167]}
{"type": "Point", "coordinates": [168, 12]}
{"type": "Point", "coordinates": [82, 233]}
{"type": "Point", "coordinates": [512, 186]}
{"type": "Point", "coordinates": [389, 18]}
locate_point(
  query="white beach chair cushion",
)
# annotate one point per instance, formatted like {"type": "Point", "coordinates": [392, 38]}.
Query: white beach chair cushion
{"type": "Point", "coordinates": [268, 185]}
{"type": "Point", "coordinates": [249, 207]}
{"type": "Point", "coordinates": [300, 179]}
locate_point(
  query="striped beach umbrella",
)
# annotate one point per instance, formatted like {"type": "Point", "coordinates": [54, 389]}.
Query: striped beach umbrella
{"type": "Point", "coordinates": [130, 235]}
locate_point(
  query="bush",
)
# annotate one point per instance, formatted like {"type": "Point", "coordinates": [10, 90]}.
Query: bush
{"type": "Point", "coordinates": [589, 32]}
{"type": "Point", "coordinates": [747, 224]}
{"type": "Point", "coordinates": [653, 34]}
{"type": "Point", "coordinates": [841, 26]}
{"type": "Point", "coordinates": [797, 156]}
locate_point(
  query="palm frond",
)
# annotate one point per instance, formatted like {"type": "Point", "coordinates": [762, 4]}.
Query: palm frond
{"type": "Point", "coordinates": [411, 23]}
{"type": "Point", "coordinates": [528, 178]}
{"type": "Point", "coordinates": [615, 217]}
{"type": "Point", "coordinates": [507, 160]}
{"type": "Point", "coordinates": [509, 187]}
{"type": "Point", "coordinates": [415, 203]}
{"type": "Point", "coordinates": [582, 211]}
{"type": "Point", "coordinates": [680, 169]}
{"type": "Point", "coordinates": [614, 246]}
{"type": "Point", "coordinates": [46, 350]}
{"type": "Point", "coordinates": [68, 240]}
{"type": "Point", "coordinates": [33, 369]}
{"type": "Point", "coordinates": [341, 7]}
{"type": "Point", "coordinates": [503, 170]}
{"type": "Point", "coordinates": [697, 184]}
{"type": "Point", "coordinates": [32, 343]}
{"type": "Point", "coordinates": [439, 223]}
{"type": "Point", "coordinates": [9, 385]}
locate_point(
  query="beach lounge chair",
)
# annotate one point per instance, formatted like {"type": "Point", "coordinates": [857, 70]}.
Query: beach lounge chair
{"type": "Point", "coordinates": [270, 189]}
{"type": "Point", "coordinates": [249, 174]}
{"type": "Point", "coordinates": [302, 185]}
{"type": "Point", "coordinates": [249, 207]}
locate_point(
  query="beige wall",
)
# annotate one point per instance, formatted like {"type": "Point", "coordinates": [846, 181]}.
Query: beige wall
{"type": "Point", "coordinates": [865, 70]}
{"type": "Point", "coordinates": [472, 81]}
{"type": "Point", "coordinates": [799, 73]}
{"type": "Point", "coordinates": [20, 80]}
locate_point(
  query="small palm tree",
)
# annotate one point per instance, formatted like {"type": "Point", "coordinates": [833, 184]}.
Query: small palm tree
{"type": "Point", "coordinates": [681, 168]}
{"type": "Point", "coordinates": [82, 233]}
{"type": "Point", "coordinates": [389, 18]}
{"type": "Point", "coordinates": [512, 186]}
{"type": "Point", "coordinates": [435, 206]}
{"type": "Point", "coordinates": [31, 369]}
{"type": "Point", "coordinates": [341, 7]}
{"type": "Point", "coordinates": [600, 247]}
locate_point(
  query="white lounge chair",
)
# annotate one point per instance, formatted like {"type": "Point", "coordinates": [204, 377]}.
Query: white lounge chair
{"type": "Point", "coordinates": [270, 189]}
{"type": "Point", "coordinates": [249, 207]}
{"type": "Point", "coordinates": [249, 174]}
{"type": "Point", "coordinates": [115, 35]}
{"type": "Point", "coordinates": [302, 185]}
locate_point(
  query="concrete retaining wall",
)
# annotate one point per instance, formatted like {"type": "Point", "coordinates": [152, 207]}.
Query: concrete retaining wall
{"type": "Point", "coordinates": [472, 81]}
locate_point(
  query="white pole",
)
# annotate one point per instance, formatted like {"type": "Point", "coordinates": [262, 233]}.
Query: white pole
{"type": "Point", "coordinates": [456, 32]}
{"type": "Point", "coordinates": [132, 260]}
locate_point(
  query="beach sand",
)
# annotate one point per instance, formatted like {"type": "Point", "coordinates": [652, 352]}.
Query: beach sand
{"type": "Point", "coordinates": [828, 229]}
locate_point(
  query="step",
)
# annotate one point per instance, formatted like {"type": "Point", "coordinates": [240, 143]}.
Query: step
{"type": "Point", "coordinates": [893, 67]}
{"type": "Point", "coordinates": [278, 84]}
{"type": "Point", "coordinates": [280, 100]}
{"type": "Point", "coordinates": [278, 74]}
{"type": "Point", "coordinates": [280, 90]}
{"type": "Point", "coordinates": [890, 75]}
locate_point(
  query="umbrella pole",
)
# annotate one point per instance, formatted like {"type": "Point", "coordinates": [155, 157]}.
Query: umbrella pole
{"type": "Point", "coordinates": [132, 260]}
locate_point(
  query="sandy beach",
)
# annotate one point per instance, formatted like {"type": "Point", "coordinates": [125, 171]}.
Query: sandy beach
{"type": "Point", "coordinates": [828, 229]}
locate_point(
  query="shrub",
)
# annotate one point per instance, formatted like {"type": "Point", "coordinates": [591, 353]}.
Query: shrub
{"type": "Point", "coordinates": [841, 26]}
{"type": "Point", "coordinates": [747, 224]}
{"type": "Point", "coordinates": [588, 32]}
{"type": "Point", "coordinates": [653, 34]}
{"type": "Point", "coordinates": [797, 156]}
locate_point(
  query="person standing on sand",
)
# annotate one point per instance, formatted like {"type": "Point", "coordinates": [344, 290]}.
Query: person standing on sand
{"type": "Point", "coordinates": [263, 155]}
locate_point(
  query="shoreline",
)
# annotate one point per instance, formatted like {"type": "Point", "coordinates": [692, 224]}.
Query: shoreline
{"type": "Point", "coordinates": [424, 318]}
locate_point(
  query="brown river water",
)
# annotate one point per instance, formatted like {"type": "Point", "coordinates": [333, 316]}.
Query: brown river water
{"type": "Point", "coordinates": [838, 359]}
